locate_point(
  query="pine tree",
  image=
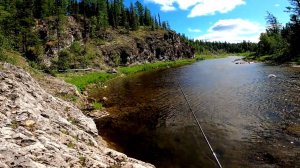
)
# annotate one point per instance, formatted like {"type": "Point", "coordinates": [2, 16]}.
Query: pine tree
{"type": "Point", "coordinates": [102, 16]}
{"type": "Point", "coordinates": [147, 17]}
{"type": "Point", "coordinates": [159, 21]}
{"type": "Point", "coordinates": [133, 18]}
{"type": "Point", "coordinates": [26, 21]}
{"type": "Point", "coordinates": [38, 9]}
{"type": "Point", "coordinates": [140, 12]}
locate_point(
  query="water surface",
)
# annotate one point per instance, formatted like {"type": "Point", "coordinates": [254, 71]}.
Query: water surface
{"type": "Point", "coordinates": [251, 120]}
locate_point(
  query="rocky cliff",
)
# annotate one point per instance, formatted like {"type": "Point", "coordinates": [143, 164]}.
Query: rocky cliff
{"type": "Point", "coordinates": [39, 130]}
{"type": "Point", "coordinates": [144, 47]}
{"type": "Point", "coordinates": [113, 46]}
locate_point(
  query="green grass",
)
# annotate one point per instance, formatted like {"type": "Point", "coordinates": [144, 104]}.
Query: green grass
{"type": "Point", "coordinates": [81, 81]}
{"type": "Point", "coordinates": [152, 66]}
{"type": "Point", "coordinates": [97, 105]}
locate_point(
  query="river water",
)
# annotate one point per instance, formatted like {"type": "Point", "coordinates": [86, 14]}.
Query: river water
{"type": "Point", "coordinates": [251, 120]}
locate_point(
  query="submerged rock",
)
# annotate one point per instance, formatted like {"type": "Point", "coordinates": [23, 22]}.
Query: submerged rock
{"type": "Point", "coordinates": [240, 61]}
{"type": "Point", "coordinates": [39, 130]}
{"type": "Point", "coordinates": [272, 76]}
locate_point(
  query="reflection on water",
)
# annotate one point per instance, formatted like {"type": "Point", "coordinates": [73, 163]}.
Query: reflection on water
{"type": "Point", "coordinates": [246, 115]}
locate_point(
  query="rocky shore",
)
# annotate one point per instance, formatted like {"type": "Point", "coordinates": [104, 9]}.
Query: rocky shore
{"type": "Point", "coordinates": [40, 130]}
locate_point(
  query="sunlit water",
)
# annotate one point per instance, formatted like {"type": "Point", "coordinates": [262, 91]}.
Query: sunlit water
{"type": "Point", "coordinates": [245, 114]}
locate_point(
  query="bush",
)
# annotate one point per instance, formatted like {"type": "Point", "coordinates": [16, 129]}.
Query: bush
{"type": "Point", "coordinates": [35, 53]}
{"type": "Point", "coordinates": [76, 48]}
{"type": "Point", "coordinates": [64, 60]}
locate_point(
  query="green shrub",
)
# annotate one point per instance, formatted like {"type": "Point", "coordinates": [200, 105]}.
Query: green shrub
{"type": "Point", "coordinates": [64, 60]}
{"type": "Point", "coordinates": [76, 48]}
{"type": "Point", "coordinates": [97, 105]}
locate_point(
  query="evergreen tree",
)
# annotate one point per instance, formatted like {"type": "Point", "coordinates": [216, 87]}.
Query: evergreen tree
{"type": "Point", "coordinates": [147, 17]}
{"type": "Point", "coordinates": [25, 22]}
{"type": "Point", "coordinates": [38, 9]}
{"type": "Point", "coordinates": [159, 21]}
{"type": "Point", "coordinates": [294, 26]}
{"type": "Point", "coordinates": [102, 16]}
{"type": "Point", "coordinates": [140, 12]}
{"type": "Point", "coordinates": [133, 18]}
{"type": "Point", "coordinates": [274, 27]}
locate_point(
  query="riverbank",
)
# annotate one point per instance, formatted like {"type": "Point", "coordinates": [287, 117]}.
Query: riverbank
{"type": "Point", "coordinates": [83, 79]}
{"type": "Point", "coordinates": [270, 60]}
{"type": "Point", "coordinates": [209, 56]}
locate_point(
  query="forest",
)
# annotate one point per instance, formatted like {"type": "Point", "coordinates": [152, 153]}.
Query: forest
{"type": "Point", "coordinates": [18, 17]}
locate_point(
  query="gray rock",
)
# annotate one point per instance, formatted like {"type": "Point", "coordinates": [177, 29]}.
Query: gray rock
{"type": "Point", "coordinates": [38, 130]}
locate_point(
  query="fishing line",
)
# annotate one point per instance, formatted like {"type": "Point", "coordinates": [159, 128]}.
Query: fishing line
{"type": "Point", "coordinates": [199, 125]}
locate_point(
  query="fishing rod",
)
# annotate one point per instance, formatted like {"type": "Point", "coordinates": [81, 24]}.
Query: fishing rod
{"type": "Point", "coordinates": [199, 125]}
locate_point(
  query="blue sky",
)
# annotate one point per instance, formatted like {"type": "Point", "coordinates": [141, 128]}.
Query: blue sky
{"type": "Point", "coordinates": [218, 20]}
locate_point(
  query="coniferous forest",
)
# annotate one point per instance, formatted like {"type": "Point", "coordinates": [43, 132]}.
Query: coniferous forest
{"type": "Point", "coordinates": [18, 17]}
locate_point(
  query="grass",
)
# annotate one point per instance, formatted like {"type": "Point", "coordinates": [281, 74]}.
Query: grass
{"type": "Point", "coordinates": [82, 80]}
{"type": "Point", "coordinates": [152, 66]}
{"type": "Point", "coordinates": [97, 105]}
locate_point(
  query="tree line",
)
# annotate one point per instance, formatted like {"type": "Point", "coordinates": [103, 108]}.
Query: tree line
{"type": "Point", "coordinates": [222, 47]}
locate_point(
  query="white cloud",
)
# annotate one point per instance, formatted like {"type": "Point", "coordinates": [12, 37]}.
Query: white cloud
{"type": "Point", "coordinates": [233, 30]}
{"type": "Point", "coordinates": [210, 7]}
{"type": "Point", "coordinates": [167, 8]}
{"type": "Point", "coordinates": [169, 4]}
{"type": "Point", "coordinates": [277, 5]}
{"type": "Point", "coordinates": [199, 7]}
{"type": "Point", "coordinates": [194, 30]}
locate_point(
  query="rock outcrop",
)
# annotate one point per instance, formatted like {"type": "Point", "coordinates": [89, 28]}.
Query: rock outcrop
{"type": "Point", "coordinates": [115, 46]}
{"type": "Point", "coordinates": [148, 47]}
{"type": "Point", "coordinates": [39, 130]}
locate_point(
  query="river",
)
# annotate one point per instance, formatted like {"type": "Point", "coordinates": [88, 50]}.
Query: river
{"type": "Point", "coordinates": [250, 119]}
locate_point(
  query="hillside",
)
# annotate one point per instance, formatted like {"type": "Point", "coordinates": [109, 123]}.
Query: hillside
{"type": "Point", "coordinates": [112, 47]}
{"type": "Point", "coordinates": [55, 36]}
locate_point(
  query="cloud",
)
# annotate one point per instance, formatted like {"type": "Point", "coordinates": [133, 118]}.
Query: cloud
{"type": "Point", "coordinates": [223, 27]}
{"type": "Point", "coordinates": [194, 30]}
{"type": "Point", "coordinates": [210, 7]}
{"type": "Point", "coordinates": [170, 4]}
{"type": "Point", "coordinates": [277, 5]}
{"type": "Point", "coordinates": [233, 30]}
{"type": "Point", "coordinates": [167, 8]}
{"type": "Point", "coordinates": [199, 7]}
